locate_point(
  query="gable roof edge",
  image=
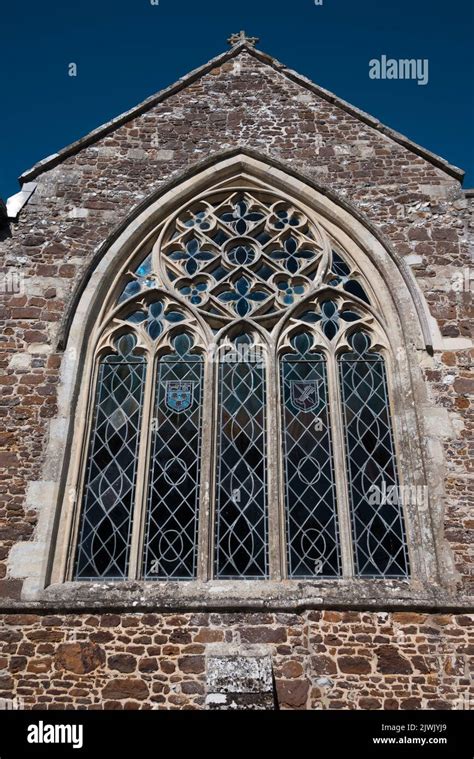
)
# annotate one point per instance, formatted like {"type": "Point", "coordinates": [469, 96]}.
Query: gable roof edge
{"type": "Point", "coordinates": [53, 160]}
{"type": "Point", "coordinates": [401, 139]}
{"type": "Point", "coordinates": [109, 126]}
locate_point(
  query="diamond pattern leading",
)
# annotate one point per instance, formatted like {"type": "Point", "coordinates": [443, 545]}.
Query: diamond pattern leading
{"type": "Point", "coordinates": [110, 481]}
{"type": "Point", "coordinates": [241, 512]}
{"type": "Point", "coordinates": [173, 501]}
{"type": "Point", "coordinates": [380, 548]}
{"type": "Point", "coordinates": [310, 500]}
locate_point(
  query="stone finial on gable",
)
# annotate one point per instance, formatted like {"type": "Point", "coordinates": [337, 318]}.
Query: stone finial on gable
{"type": "Point", "coordinates": [237, 39]}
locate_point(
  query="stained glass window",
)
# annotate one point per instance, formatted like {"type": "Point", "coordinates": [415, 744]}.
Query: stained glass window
{"type": "Point", "coordinates": [240, 340]}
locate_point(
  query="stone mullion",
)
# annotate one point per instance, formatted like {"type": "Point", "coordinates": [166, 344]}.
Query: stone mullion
{"type": "Point", "coordinates": [143, 471]}
{"type": "Point", "coordinates": [340, 469]}
{"type": "Point", "coordinates": [207, 492]}
{"type": "Point", "coordinates": [280, 503]}
{"type": "Point", "coordinates": [277, 562]}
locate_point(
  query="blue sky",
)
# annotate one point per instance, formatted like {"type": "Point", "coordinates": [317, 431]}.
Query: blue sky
{"type": "Point", "coordinates": [126, 50]}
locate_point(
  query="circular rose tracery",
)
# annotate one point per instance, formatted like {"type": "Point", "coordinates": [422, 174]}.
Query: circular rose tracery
{"type": "Point", "coordinates": [239, 236]}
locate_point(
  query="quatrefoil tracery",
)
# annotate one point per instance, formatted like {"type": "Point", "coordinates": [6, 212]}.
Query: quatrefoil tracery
{"type": "Point", "coordinates": [236, 237]}
{"type": "Point", "coordinates": [234, 254]}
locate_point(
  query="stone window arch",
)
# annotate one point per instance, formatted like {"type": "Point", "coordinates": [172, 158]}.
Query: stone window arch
{"type": "Point", "coordinates": [304, 269]}
{"type": "Point", "coordinates": [238, 342]}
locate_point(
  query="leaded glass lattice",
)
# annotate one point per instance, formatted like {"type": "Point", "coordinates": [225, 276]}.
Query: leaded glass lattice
{"type": "Point", "coordinates": [173, 500]}
{"type": "Point", "coordinates": [110, 481]}
{"type": "Point", "coordinates": [377, 519]}
{"type": "Point", "coordinates": [263, 296]}
{"type": "Point", "coordinates": [310, 498]}
{"type": "Point", "coordinates": [241, 509]}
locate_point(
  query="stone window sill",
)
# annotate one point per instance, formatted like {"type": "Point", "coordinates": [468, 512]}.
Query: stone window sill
{"type": "Point", "coordinates": [288, 595]}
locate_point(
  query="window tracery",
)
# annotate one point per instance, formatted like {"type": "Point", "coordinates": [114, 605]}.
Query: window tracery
{"type": "Point", "coordinates": [242, 292]}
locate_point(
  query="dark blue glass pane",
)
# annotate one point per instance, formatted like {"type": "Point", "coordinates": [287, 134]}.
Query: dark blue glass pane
{"type": "Point", "coordinates": [339, 266]}
{"type": "Point", "coordinates": [134, 286]}
{"type": "Point", "coordinates": [329, 319]}
{"type": "Point", "coordinates": [342, 277]}
{"type": "Point", "coordinates": [356, 289]}
{"type": "Point", "coordinates": [131, 288]}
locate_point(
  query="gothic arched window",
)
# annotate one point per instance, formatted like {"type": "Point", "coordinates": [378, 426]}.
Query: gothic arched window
{"type": "Point", "coordinates": [239, 400]}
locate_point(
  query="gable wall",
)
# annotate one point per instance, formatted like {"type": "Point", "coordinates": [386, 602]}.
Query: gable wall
{"type": "Point", "coordinates": [421, 211]}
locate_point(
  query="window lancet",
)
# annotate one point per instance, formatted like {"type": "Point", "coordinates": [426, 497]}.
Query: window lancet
{"type": "Point", "coordinates": [377, 520]}
{"type": "Point", "coordinates": [310, 495]}
{"type": "Point", "coordinates": [110, 480]}
{"type": "Point", "coordinates": [241, 498]}
{"type": "Point", "coordinates": [240, 361]}
{"type": "Point", "coordinates": [173, 493]}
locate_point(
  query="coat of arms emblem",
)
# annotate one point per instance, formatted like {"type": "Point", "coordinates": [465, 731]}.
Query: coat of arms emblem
{"type": "Point", "coordinates": [305, 394]}
{"type": "Point", "coordinates": [179, 395]}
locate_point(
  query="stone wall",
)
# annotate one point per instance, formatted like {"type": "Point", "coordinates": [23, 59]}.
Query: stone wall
{"type": "Point", "coordinates": [320, 660]}
{"type": "Point", "coordinates": [419, 209]}
{"type": "Point", "coordinates": [330, 659]}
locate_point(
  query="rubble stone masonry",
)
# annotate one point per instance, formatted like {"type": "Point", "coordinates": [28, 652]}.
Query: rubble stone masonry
{"type": "Point", "coordinates": [321, 660]}
{"type": "Point", "coordinates": [338, 659]}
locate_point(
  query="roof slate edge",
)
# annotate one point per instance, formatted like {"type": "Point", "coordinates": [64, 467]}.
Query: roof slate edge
{"type": "Point", "coordinates": [53, 160]}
